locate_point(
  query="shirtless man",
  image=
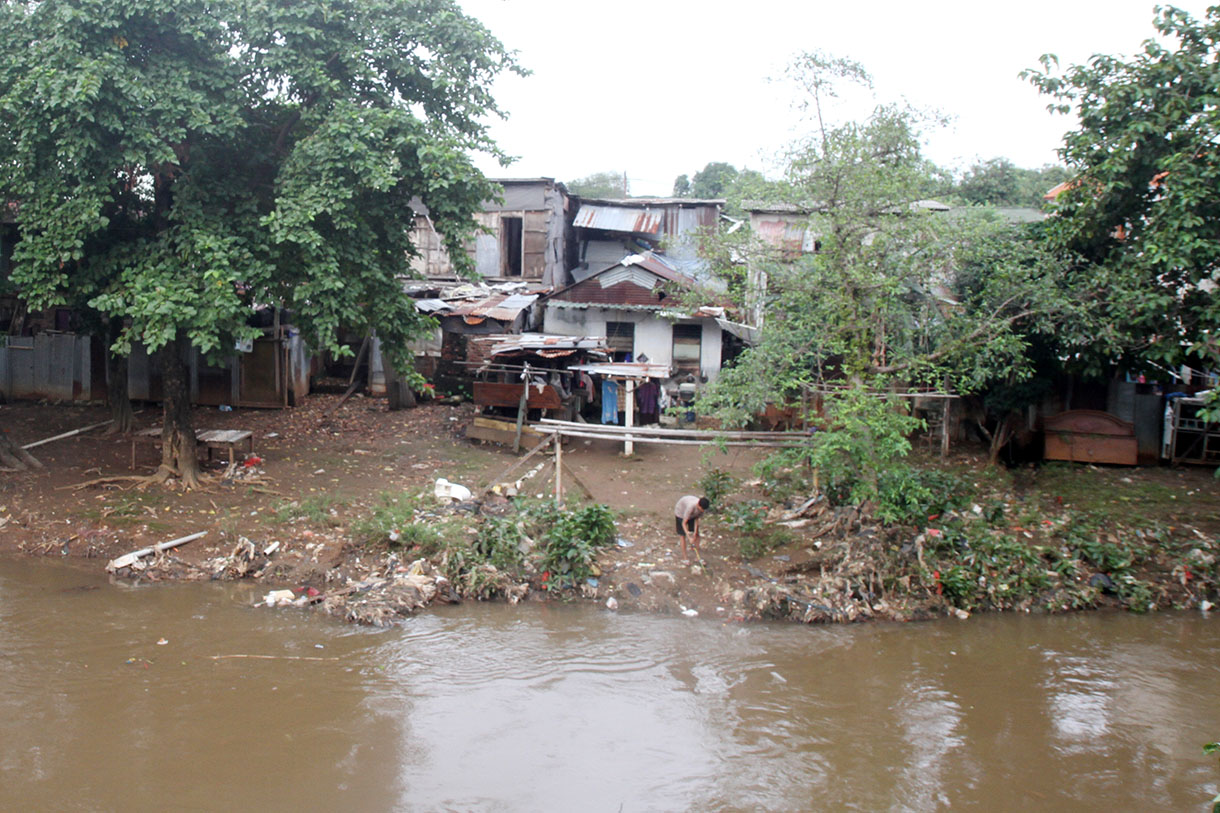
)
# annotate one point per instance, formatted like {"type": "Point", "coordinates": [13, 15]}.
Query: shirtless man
{"type": "Point", "coordinates": [686, 521]}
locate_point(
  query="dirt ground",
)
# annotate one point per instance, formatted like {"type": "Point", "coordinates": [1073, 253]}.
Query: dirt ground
{"type": "Point", "coordinates": [338, 463]}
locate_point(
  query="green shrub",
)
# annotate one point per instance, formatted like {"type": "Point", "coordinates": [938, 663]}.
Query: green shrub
{"type": "Point", "coordinates": [749, 521]}
{"type": "Point", "coordinates": [499, 542]}
{"type": "Point", "coordinates": [572, 541]}
{"type": "Point", "coordinates": [716, 485]}
{"type": "Point", "coordinates": [907, 495]}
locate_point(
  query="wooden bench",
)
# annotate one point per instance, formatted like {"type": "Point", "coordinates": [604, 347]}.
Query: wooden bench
{"type": "Point", "coordinates": [209, 438]}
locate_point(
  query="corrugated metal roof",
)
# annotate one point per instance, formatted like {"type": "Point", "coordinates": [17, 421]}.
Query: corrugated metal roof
{"type": "Point", "coordinates": [547, 345]}
{"type": "Point", "coordinates": [620, 218]}
{"type": "Point", "coordinates": [431, 305]}
{"type": "Point", "coordinates": [625, 369]}
{"type": "Point", "coordinates": [510, 306]}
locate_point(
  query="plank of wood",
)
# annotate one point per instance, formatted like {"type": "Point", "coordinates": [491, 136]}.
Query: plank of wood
{"type": "Point", "coordinates": [710, 434]}
{"type": "Point", "coordinates": [507, 426]}
{"type": "Point", "coordinates": [502, 437]}
{"type": "Point", "coordinates": [577, 480]}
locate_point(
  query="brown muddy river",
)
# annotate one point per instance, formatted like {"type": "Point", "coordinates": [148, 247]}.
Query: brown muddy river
{"type": "Point", "coordinates": [485, 707]}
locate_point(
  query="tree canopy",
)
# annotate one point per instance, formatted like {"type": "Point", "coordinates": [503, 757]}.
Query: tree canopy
{"type": "Point", "coordinates": [609, 184]}
{"type": "Point", "coordinates": [896, 294]}
{"type": "Point", "coordinates": [999, 182]}
{"type": "Point", "coordinates": [1142, 210]}
{"type": "Point", "coordinates": [177, 163]}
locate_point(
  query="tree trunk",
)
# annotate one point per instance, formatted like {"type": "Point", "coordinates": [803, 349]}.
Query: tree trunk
{"type": "Point", "coordinates": [13, 456]}
{"type": "Point", "coordinates": [117, 395]}
{"type": "Point", "coordinates": [1004, 432]}
{"type": "Point", "coordinates": [178, 456]}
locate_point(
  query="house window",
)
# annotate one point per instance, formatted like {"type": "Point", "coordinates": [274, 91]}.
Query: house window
{"type": "Point", "coordinates": [620, 337]}
{"type": "Point", "coordinates": [687, 348]}
{"type": "Point", "coordinates": [511, 230]}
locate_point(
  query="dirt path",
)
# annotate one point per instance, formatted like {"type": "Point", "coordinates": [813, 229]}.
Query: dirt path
{"type": "Point", "coordinates": [319, 473]}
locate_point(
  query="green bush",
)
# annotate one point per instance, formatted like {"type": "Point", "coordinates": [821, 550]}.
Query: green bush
{"type": "Point", "coordinates": [907, 495]}
{"type": "Point", "coordinates": [749, 521]}
{"type": "Point", "coordinates": [499, 542]}
{"type": "Point", "coordinates": [571, 543]}
{"type": "Point", "coordinates": [716, 485]}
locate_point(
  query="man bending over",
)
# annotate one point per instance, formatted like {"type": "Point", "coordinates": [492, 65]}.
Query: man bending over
{"type": "Point", "coordinates": [686, 520]}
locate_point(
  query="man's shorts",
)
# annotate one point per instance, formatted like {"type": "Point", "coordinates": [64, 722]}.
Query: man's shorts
{"type": "Point", "coordinates": [682, 531]}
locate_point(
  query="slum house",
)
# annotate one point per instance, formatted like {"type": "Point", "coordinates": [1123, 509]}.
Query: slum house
{"type": "Point", "coordinates": [523, 237]}
{"type": "Point", "coordinates": [606, 230]}
{"type": "Point", "coordinates": [538, 367]}
{"type": "Point", "coordinates": [47, 358]}
{"type": "Point", "coordinates": [636, 305]}
{"type": "Point", "coordinates": [44, 355]}
{"type": "Point", "coordinates": [463, 312]}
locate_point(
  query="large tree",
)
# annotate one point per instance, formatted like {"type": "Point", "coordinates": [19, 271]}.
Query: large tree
{"type": "Point", "coordinates": [1143, 210]}
{"type": "Point", "coordinates": [896, 294]}
{"type": "Point", "coordinates": [178, 163]}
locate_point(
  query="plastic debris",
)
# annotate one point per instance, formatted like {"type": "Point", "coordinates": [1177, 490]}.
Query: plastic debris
{"type": "Point", "coordinates": [612, 604]}
{"type": "Point", "coordinates": [279, 597]}
{"type": "Point", "coordinates": [447, 491]}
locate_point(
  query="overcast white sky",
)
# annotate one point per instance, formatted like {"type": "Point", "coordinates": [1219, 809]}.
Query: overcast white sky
{"type": "Point", "coordinates": [658, 88]}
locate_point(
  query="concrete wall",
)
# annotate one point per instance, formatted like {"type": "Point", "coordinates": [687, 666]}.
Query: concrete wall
{"type": "Point", "coordinates": [653, 334]}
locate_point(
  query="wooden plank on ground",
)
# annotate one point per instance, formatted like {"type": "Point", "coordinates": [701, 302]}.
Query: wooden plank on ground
{"type": "Point", "coordinates": [510, 426]}
{"type": "Point", "coordinates": [504, 437]}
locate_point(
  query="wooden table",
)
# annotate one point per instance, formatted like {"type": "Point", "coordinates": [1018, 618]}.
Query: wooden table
{"type": "Point", "coordinates": [209, 438]}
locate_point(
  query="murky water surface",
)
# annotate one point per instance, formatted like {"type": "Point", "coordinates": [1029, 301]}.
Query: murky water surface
{"type": "Point", "coordinates": [572, 708]}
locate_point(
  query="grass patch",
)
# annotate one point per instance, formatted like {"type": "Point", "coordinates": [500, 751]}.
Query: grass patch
{"type": "Point", "coordinates": [319, 509]}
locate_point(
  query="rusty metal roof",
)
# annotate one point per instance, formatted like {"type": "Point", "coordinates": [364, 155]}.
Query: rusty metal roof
{"type": "Point", "coordinates": [620, 218]}
{"type": "Point", "coordinates": [501, 307]}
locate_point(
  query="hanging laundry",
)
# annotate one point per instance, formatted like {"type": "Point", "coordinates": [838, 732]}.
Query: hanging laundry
{"type": "Point", "coordinates": [646, 397]}
{"type": "Point", "coordinates": [609, 401]}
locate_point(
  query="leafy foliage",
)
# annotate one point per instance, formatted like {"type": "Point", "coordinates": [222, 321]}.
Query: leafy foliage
{"type": "Point", "coordinates": [1142, 211]}
{"type": "Point", "coordinates": [895, 295]}
{"type": "Point", "coordinates": [999, 182]}
{"type": "Point", "coordinates": [716, 485]}
{"type": "Point", "coordinates": [176, 163]}
{"type": "Point", "coordinates": [572, 542]}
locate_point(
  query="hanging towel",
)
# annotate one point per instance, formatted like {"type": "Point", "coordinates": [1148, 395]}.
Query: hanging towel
{"type": "Point", "coordinates": [609, 401]}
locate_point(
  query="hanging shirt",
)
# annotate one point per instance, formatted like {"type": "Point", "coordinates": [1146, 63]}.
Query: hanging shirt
{"type": "Point", "coordinates": [609, 401]}
{"type": "Point", "coordinates": [646, 397]}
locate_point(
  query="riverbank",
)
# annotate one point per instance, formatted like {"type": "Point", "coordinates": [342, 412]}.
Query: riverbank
{"type": "Point", "coordinates": [340, 510]}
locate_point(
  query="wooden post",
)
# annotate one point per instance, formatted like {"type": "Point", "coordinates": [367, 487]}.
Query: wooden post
{"type": "Point", "coordinates": [629, 414]}
{"type": "Point", "coordinates": [559, 469]}
{"type": "Point", "coordinates": [944, 427]}
{"type": "Point", "coordinates": [521, 407]}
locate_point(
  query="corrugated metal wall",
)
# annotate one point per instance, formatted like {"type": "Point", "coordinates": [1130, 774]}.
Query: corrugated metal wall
{"type": "Point", "coordinates": [55, 366]}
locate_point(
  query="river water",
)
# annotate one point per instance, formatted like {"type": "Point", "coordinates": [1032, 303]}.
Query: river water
{"type": "Point", "coordinates": [542, 707]}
